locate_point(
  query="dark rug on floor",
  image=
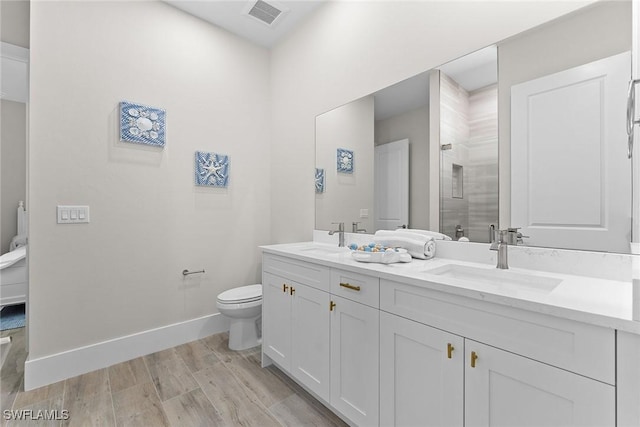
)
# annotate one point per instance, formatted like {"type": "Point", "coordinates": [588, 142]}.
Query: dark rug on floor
{"type": "Point", "coordinates": [12, 317]}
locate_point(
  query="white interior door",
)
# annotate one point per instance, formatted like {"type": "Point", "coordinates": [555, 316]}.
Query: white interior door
{"type": "Point", "coordinates": [391, 185]}
{"type": "Point", "coordinates": [570, 175]}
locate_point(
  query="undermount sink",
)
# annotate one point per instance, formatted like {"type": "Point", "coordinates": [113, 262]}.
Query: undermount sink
{"type": "Point", "coordinates": [324, 250]}
{"type": "Point", "coordinates": [497, 277]}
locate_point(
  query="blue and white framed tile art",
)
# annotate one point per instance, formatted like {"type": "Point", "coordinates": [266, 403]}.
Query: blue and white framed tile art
{"type": "Point", "coordinates": [345, 160]}
{"type": "Point", "coordinates": [212, 169]}
{"type": "Point", "coordinates": [319, 180]}
{"type": "Point", "coordinates": [142, 124]}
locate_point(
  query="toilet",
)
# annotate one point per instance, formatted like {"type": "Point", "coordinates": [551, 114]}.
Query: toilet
{"type": "Point", "coordinates": [243, 307]}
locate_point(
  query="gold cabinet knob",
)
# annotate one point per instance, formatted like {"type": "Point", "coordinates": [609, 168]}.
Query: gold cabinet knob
{"type": "Point", "coordinates": [292, 290]}
{"type": "Point", "coordinates": [450, 349]}
{"type": "Point", "coordinates": [332, 305]}
{"type": "Point", "coordinates": [474, 358]}
{"type": "Point", "coordinates": [285, 287]}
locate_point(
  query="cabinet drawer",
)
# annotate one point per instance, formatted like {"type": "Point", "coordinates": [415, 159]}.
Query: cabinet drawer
{"type": "Point", "coordinates": [314, 275]}
{"type": "Point", "coordinates": [577, 347]}
{"type": "Point", "coordinates": [356, 287]}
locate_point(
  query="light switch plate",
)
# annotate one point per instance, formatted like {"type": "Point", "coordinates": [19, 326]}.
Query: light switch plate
{"type": "Point", "coordinates": [72, 214]}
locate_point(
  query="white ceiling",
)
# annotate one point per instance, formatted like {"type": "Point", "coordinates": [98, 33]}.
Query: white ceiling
{"type": "Point", "coordinates": [473, 71]}
{"type": "Point", "coordinates": [232, 16]}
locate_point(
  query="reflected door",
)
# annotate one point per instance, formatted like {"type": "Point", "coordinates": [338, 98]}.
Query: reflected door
{"type": "Point", "coordinates": [391, 185]}
{"type": "Point", "coordinates": [570, 175]}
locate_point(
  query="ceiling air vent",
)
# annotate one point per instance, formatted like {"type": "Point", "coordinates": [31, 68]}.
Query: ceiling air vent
{"type": "Point", "coordinates": [267, 13]}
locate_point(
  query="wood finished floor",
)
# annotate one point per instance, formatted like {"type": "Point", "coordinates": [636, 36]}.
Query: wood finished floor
{"type": "Point", "coordinates": [201, 383]}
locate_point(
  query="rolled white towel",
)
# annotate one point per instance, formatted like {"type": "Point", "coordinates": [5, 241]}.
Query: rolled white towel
{"type": "Point", "coordinates": [418, 246]}
{"type": "Point", "coordinates": [430, 249]}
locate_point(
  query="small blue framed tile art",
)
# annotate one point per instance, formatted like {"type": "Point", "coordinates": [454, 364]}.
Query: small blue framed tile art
{"type": "Point", "coordinates": [345, 160]}
{"type": "Point", "coordinates": [319, 180]}
{"type": "Point", "coordinates": [142, 124]}
{"type": "Point", "coordinates": [212, 169]}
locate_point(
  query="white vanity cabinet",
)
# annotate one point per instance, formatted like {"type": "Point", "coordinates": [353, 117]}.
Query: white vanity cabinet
{"type": "Point", "coordinates": [321, 326]}
{"type": "Point", "coordinates": [406, 352]}
{"type": "Point", "coordinates": [296, 322]}
{"type": "Point", "coordinates": [354, 346]}
{"type": "Point", "coordinates": [430, 377]}
{"type": "Point", "coordinates": [504, 389]}
{"type": "Point", "coordinates": [421, 374]}
{"type": "Point", "coordinates": [512, 381]}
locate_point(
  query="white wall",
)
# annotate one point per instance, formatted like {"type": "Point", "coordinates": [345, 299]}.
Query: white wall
{"type": "Point", "coordinates": [413, 125]}
{"type": "Point", "coordinates": [14, 22]}
{"type": "Point", "coordinates": [121, 274]}
{"type": "Point", "coordinates": [597, 32]}
{"type": "Point", "coordinates": [351, 127]}
{"type": "Point", "coordinates": [351, 49]}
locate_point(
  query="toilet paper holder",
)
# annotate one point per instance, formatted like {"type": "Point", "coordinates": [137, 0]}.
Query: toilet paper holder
{"type": "Point", "coordinates": [187, 272]}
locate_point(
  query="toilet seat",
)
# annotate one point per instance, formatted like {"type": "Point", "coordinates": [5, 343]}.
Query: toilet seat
{"type": "Point", "coordinates": [243, 294]}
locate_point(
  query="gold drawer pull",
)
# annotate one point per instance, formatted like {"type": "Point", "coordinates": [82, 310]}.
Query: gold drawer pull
{"type": "Point", "coordinates": [285, 288]}
{"type": "Point", "coordinates": [292, 290]}
{"type": "Point", "coordinates": [474, 357]}
{"type": "Point", "coordinates": [349, 286]}
{"type": "Point", "coordinates": [450, 349]}
{"type": "Point", "coordinates": [332, 305]}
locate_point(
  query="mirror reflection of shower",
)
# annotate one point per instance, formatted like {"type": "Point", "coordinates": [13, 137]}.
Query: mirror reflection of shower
{"type": "Point", "coordinates": [469, 146]}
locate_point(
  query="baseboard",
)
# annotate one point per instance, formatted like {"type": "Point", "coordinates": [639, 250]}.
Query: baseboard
{"type": "Point", "coordinates": [57, 367]}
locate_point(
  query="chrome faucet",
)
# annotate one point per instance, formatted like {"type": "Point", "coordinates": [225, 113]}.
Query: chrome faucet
{"type": "Point", "coordinates": [501, 245]}
{"type": "Point", "coordinates": [340, 232]}
{"type": "Point", "coordinates": [355, 229]}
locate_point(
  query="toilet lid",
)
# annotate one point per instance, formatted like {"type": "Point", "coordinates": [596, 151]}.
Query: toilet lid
{"type": "Point", "coordinates": [242, 294]}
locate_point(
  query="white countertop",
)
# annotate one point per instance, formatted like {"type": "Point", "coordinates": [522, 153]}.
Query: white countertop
{"type": "Point", "coordinates": [593, 300]}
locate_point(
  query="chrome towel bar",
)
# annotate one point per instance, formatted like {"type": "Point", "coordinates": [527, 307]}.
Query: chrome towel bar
{"type": "Point", "coordinates": [187, 272]}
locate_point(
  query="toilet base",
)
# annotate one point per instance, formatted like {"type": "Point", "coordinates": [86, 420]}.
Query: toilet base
{"type": "Point", "coordinates": [244, 333]}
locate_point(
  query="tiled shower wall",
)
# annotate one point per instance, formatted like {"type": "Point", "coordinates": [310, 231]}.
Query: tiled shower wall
{"type": "Point", "coordinates": [454, 130]}
{"type": "Point", "coordinates": [469, 122]}
{"type": "Point", "coordinates": [483, 162]}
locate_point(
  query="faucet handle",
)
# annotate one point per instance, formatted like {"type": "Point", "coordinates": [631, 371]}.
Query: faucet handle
{"type": "Point", "coordinates": [515, 237]}
{"type": "Point", "coordinates": [492, 233]}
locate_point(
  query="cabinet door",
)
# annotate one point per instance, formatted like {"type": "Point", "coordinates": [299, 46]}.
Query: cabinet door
{"type": "Point", "coordinates": [310, 340]}
{"type": "Point", "coordinates": [504, 389]}
{"type": "Point", "coordinates": [276, 319]}
{"type": "Point", "coordinates": [421, 374]}
{"type": "Point", "coordinates": [354, 361]}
